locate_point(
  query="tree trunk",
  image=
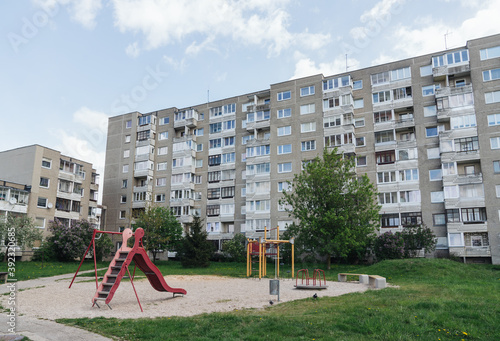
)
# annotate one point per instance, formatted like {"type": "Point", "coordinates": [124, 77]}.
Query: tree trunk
{"type": "Point", "coordinates": [328, 262]}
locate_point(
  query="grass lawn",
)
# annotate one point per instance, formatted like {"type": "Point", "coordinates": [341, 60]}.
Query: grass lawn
{"type": "Point", "coordinates": [437, 299]}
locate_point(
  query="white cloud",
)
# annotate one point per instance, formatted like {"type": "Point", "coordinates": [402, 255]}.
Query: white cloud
{"type": "Point", "coordinates": [256, 22]}
{"type": "Point", "coordinates": [306, 67]}
{"type": "Point", "coordinates": [381, 10]}
{"type": "Point", "coordinates": [82, 11]}
{"type": "Point", "coordinates": [133, 50]}
{"type": "Point", "coordinates": [91, 119]}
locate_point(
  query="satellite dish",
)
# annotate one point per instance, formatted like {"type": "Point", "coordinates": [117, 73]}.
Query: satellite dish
{"type": "Point", "coordinates": [13, 201]}
{"type": "Point", "coordinates": [50, 205]}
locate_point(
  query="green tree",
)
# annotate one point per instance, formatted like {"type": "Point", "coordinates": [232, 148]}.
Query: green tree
{"type": "Point", "coordinates": [162, 231]}
{"type": "Point", "coordinates": [337, 212]}
{"type": "Point", "coordinates": [19, 231]}
{"type": "Point", "coordinates": [195, 249]}
{"type": "Point", "coordinates": [235, 248]}
{"type": "Point", "coordinates": [418, 237]}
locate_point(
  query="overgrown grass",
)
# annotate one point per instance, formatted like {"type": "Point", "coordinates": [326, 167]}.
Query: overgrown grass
{"type": "Point", "coordinates": [437, 299]}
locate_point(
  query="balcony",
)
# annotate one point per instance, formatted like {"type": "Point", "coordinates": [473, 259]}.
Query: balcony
{"type": "Point", "coordinates": [94, 187]}
{"type": "Point", "coordinates": [185, 138]}
{"type": "Point", "coordinates": [462, 179]}
{"type": "Point", "coordinates": [257, 125]}
{"type": "Point", "coordinates": [347, 148]}
{"type": "Point", "coordinates": [145, 142]}
{"type": "Point", "coordinates": [190, 122]}
{"type": "Point", "coordinates": [145, 188]}
{"type": "Point", "coordinates": [69, 195]}
{"type": "Point", "coordinates": [382, 146]}
{"type": "Point", "coordinates": [151, 127]}
{"type": "Point", "coordinates": [452, 90]}
{"type": "Point", "coordinates": [440, 72]}
{"type": "Point", "coordinates": [336, 92]}
{"type": "Point", "coordinates": [404, 124]}
{"type": "Point", "coordinates": [259, 107]}
{"type": "Point", "coordinates": [464, 202]}
{"type": "Point", "coordinates": [142, 173]}
{"type": "Point", "coordinates": [461, 156]}
{"type": "Point", "coordinates": [467, 227]}
{"type": "Point", "coordinates": [469, 251]}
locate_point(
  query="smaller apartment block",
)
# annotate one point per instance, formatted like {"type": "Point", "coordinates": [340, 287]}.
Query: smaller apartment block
{"type": "Point", "coordinates": [44, 184]}
{"type": "Point", "coordinates": [424, 129]}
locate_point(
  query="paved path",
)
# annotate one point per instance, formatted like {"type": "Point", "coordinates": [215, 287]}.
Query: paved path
{"type": "Point", "coordinates": [38, 329]}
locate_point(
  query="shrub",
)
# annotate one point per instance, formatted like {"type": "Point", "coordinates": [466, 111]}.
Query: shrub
{"type": "Point", "coordinates": [195, 250]}
{"type": "Point", "coordinates": [234, 249]}
{"type": "Point", "coordinates": [417, 237]}
{"type": "Point", "coordinates": [389, 246]}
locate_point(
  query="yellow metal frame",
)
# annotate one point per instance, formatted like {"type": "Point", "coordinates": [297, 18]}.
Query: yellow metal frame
{"type": "Point", "coordinates": [262, 253]}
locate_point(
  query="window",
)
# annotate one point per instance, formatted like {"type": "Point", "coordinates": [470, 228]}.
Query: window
{"type": "Point", "coordinates": [496, 167]}
{"type": "Point", "coordinates": [307, 91]}
{"type": "Point", "coordinates": [385, 157]}
{"type": "Point", "coordinates": [199, 163]}
{"type": "Point", "coordinates": [359, 103]}
{"type": "Point", "coordinates": [430, 111]}
{"type": "Point", "coordinates": [466, 144]}
{"type": "Point", "coordinates": [44, 182]}
{"type": "Point", "coordinates": [215, 143]}
{"type": "Point", "coordinates": [46, 163]}
{"type": "Point", "coordinates": [494, 120]}
{"type": "Point", "coordinates": [228, 174]}
{"type": "Point", "coordinates": [228, 158]}
{"type": "Point", "coordinates": [497, 190]}
{"type": "Point", "coordinates": [435, 174]}
{"type": "Point", "coordinates": [388, 198]}
{"type": "Point", "coordinates": [214, 160]}
{"type": "Point", "coordinates": [162, 150]}
{"type": "Point", "coordinates": [125, 169]}
{"type": "Point", "coordinates": [261, 168]}
{"type": "Point", "coordinates": [474, 215]}
{"type": "Point", "coordinates": [229, 125]}
{"type": "Point", "coordinates": [492, 52]}
{"type": "Point", "coordinates": [215, 127]}
{"type": "Point", "coordinates": [380, 78]}
{"type": "Point", "coordinates": [284, 113]}
{"type": "Point", "coordinates": [359, 122]}
{"type": "Point", "coordinates": [382, 116]}
{"type": "Point", "coordinates": [451, 58]}
{"type": "Point", "coordinates": [408, 175]}
{"type": "Point", "coordinates": [128, 124]}
{"type": "Point", "coordinates": [282, 96]}
{"type": "Point", "coordinates": [431, 131]}
{"type": "Point", "coordinates": [227, 192]}
{"type": "Point", "coordinates": [41, 202]}
{"type": "Point", "coordinates": [143, 135]}
{"type": "Point", "coordinates": [360, 141]}
{"type": "Point", "coordinates": [429, 90]}
{"type": "Point", "coordinates": [144, 120]}
{"type": "Point", "coordinates": [213, 210]}
{"type": "Point", "coordinates": [123, 199]}
{"type": "Point", "coordinates": [213, 193]}
{"type": "Point", "coordinates": [449, 168]}
{"type": "Point", "coordinates": [425, 70]}
{"type": "Point", "coordinates": [161, 166]}
{"type": "Point", "coordinates": [284, 186]}
{"type": "Point", "coordinates": [466, 121]}
{"type": "Point", "coordinates": [384, 136]}
{"type": "Point", "coordinates": [332, 121]}
{"type": "Point", "coordinates": [409, 196]}
{"type": "Point", "coordinates": [401, 93]}
{"type": "Point", "coordinates": [453, 215]}
{"type": "Point", "coordinates": [439, 219]}
{"type": "Point", "coordinates": [433, 153]}
{"type": "Point", "coordinates": [163, 135]}
{"type": "Point", "coordinates": [307, 109]}
{"type": "Point", "coordinates": [356, 85]}
{"type": "Point", "coordinates": [407, 154]}
{"type": "Point", "coordinates": [161, 182]}
{"type": "Point", "coordinates": [259, 206]}
{"type": "Point", "coordinates": [308, 127]}
{"type": "Point", "coordinates": [284, 167]}
{"type": "Point", "coordinates": [495, 142]}
{"type": "Point", "coordinates": [450, 192]}
{"type": "Point", "coordinates": [308, 145]}
{"type": "Point", "coordinates": [282, 131]}
{"type": "Point", "coordinates": [490, 75]}
{"type": "Point", "coordinates": [455, 101]}
{"type": "Point", "coordinates": [123, 214]}
{"type": "Point", "coordinates": [197, 179]}
{"type": "Point", "coordinates": [214, 176]}
{"type": "Point", "coordinates": [437, 197]}
{"type": "Point", "coordinates": [339, 139]}
{"type": "Point", "coordinates": [284, 149]}
{"type": "Point", "coordinates": [386, 177]}
{"type": "Point", "coordinates": [382, 96]}
{"type": "Point", "coordinates": [389, 220]}
{"type": "Point", "coordinates": [336, 82]}
{"type": "Point", "coordinates": [471, 191]}
{"type": "Point", "coordinates": [127, 138]}
{"type": "Point", "coordinates": [410, 219]}
{"type": "Point", "coordinates": [399, 74]}
{"type": "Point", "coordinates": [164, 120]}
{"type": "Point", "coordinates": [124, 183]}
{"type": "Point", "coordinates": [492, 97]}
{"type": "Point", "coordinates": [360, 161]}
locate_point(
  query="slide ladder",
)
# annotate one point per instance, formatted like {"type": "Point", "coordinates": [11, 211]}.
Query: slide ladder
{"type": "Point", "coordinates": [120, 265]}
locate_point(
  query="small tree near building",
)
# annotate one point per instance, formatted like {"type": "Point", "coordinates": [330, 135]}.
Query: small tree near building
{"type": "Point", "coordinates": [337, 212]}
{"type": "Point", "coordinates": [19, 230]}
{"type": "Point", "coordinates": [196, 250]}
{"type": "Point", "coordinates": [162, 231]}
{"type": "Point", "coordinates": [234, 249]}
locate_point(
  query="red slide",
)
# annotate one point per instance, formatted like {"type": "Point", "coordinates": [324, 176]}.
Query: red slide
{"type": "Point", "coordinates": [119, 267]}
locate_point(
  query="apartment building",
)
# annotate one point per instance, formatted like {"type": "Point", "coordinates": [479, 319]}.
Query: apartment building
{"type": "Point", "coordinates": [426, 130]}
{"type": "Point", "coordinates": [44, 184]}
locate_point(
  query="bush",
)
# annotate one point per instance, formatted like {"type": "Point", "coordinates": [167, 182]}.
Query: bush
{"type": "Point", "coordinates": [417, 237]}
{"type": "Point", "coordinates": [389, 246]}
{"type": "Point", "coordinates": [234, 249]}
{"type": "Point", "coordinates": [195, 250]}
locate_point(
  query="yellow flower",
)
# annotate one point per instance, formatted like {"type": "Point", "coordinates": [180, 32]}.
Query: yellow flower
{"type": "Point", "coordinates": [465, 333]}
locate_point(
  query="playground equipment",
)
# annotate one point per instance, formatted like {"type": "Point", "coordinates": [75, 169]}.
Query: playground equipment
{"type": "Point", "coordinates": [317, 283]}
{"type": "Point", "coordinates": [120, 265]}
{"type": "Point", "coordinates": [262, 248]}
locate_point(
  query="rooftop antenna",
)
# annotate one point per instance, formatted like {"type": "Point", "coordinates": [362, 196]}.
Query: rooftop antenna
{"type": "Point", "coordinates": [346, 67]}
{"type": "Point", "coordinates": [445, 42]}
{"type": "Point", "coordinates": [208, 96]}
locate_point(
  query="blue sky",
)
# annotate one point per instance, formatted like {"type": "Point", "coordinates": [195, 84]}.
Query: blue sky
{"type": "Point", "coordinates": [67, 65]}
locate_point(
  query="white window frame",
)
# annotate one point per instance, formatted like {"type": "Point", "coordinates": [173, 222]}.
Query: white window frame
{"type": "Point", "coordinates": [284, 95]}
{"type": "Point", "coordinates": [495, 142]}
{"type": "Point", "coordinates": [284, 131]}
{"type": "Point", "coordinates": [285, 167]}
{"type": "Point", "coordinates": [307, 91]}
{"type": "Point", "coordinates": [284, 113]}
{"type": "Point", "coordinates": [308, 127]}
{"type": "Point", "coordinates": [306, 109]}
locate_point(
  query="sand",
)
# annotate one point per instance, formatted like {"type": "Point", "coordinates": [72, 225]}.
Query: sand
{"type": "Point", "coordinates": [52, 299]}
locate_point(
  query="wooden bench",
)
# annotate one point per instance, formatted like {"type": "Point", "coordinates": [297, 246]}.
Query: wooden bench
{"type": "Point", "coordinates": [363, 278]}
{"type": "Point", "coordinates": [3, 277]}
{"type": "Point", "coordinates": [377, 282]}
